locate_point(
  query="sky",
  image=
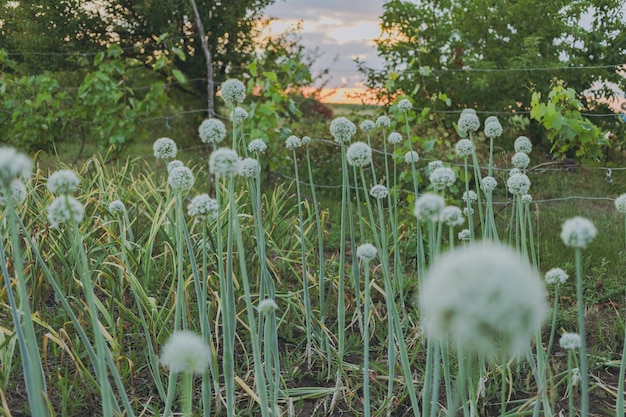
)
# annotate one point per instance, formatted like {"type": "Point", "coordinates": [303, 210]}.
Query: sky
{"type": "Point", "coordinates": [340, 30]}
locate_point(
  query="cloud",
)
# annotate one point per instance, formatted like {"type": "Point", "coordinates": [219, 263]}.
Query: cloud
{"type": "Point", "coordinates": [341, 9]}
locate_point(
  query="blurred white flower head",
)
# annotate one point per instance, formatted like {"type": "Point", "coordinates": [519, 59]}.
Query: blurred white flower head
{"type": "Point", "coordinates": [405, 105]}
{"type": "Point", "coordinates": [181, 178]}
{"type": "Point", "coordinates": [468, 121]}
{"type": "Point", "coordinates": [359, 154]}
{"type": "Point", "coordinates": [464, 148]}
{"type": "Point", "coordinates": [185, 352]}
{"type": "Point", "coordinates": [212, 131]}
{"type": "Point", "coordinates": [383, 121]}
{"type": "Point", "coordinates": [493, 128]}
{"type": "Point", "coordinates": [224, 162]}
{"type": "Point", "coordinates": [16, 191]}
{"type": "Point", "coordinates": [620, 204]}
{"type": "Point", "coordinates": [523, 144]}
{"type": "Point", "coordinates": [63, 181]}
{"type": "Point", "coordinates": [366, 252]}
{"type": "Point", "coordinates": [65, 209]}
{"type": "Point", "coordinates": [13, 165]}
{"type": "Point", "coordinates": [342, 129]}
{"type": "Point", "coordinates": [116, 207]}
{"type": "Point", "coordinates": [238, 115]}
{"type": "Point", "coordinates": [293, 142]}
{"type": "Point", "coordinates": [520, 160]}
{"type": "Point", "coordinates": [164, 148]}
{"type": "Point", "coordinates": [518, 184]}
{"type": "Point", "coordinates": [379, 191]}
{"type": "Point", "coordinates": [257, 145]}
{"type": "Point", "coordinates": [489, 184]}
{"type": "Point", "coordinates": [578, 232]}
{"type": "Point", "coordinates": [473, 197]}
{"type": "Point", "coordinates": [202, 205]}
{"type": "Point", "coordinates": [367, 125]}
{"type": "Point", "coordinates": [428, 206]}
{"type": "Point", "coordinates": [434, 165]}
{"type": "Point", "coordinates": [442, 178]}
{"type": "Point", "coordinates": [486, 297]}
{"type": "Point", "coordinates": [411, 157]}
{"type": "Point", "coordinates": [527, 199]}
{"type": "Point", "coordinates": [464, 235]}
{"type": "Point", "coordinates": [570, 341]}
{"type": "Point", "coordinates": [174, 164]}
{"type": "Point", "coordinates": [556, 276]}
{"type": "Point", "coordinates": [452, 216]}
{"type": "Point", "coordinates": [306, 140]}
{"type": "Point", "coordinates": [233, 92]}
{"type": "Point", "coordinates": [249, 168]}
{"type": "Point", "coordinates": [267, 306]}
{"type": "Point", "coordinates": [394, 138]}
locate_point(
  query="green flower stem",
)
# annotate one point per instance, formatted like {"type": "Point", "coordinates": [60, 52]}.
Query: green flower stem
{"type": "Point", "coordinates": [570, 386]}
{"type": "Point", "coordinates": [584, 383]}
{"type": "Point", "coordinates": [619, 406]}
{"type": "Point", "coordinates": [180, 315]}
{"type": "Point", "coordinates": [434, 398]}
{"type": "Point", "coordinates": [421, 255]}
{"type": "Point", "coordinates": [392, 201]}
{"type": "Point", "coordinates": [366, 341]}
{"type": "Point", "coordinates": [186, 394]}
{"type": "Point", "coordinates": [490, 156]}
{"type": "Point", "coordinates": [555, 310]}
{"type": "Point", "coordinates": [477, 181]}
{"type": "Point", "coordinates": [533, 254]}
{"type": "Point", "coordinates": [355, 261]}
{"type": "Point", "coordinates": [305, 280]}
{"type": "Point", "coordinates": [468, 203]}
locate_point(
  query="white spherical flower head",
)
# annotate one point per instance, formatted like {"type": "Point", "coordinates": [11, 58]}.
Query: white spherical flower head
{"type": "Point", "coordinates": [249, 168]}
{"type": "Point", "coordinates": [181, 178]}
{"type": "Point", "coordinates": [16, 191]}
{"type": "Point", "coordinates": [468, 122]}
{"type": "Point", "coordinates": [267, 306]}
{"type": "Point", "coordinates": [174, 164]}
{"type": "Point", "coordinates": [620, 204]}
{"type": "Point", "coordinates": [238, 115]}
{"type": "Point", "coordinates": [428, 206]}
{"type": "Point", "coordinates": [442, 178]}
{"type": "Point", "coordinates": [493, 129]}
{"type": "Point", "coordinates": [164, 148]}
{"type": "Point", "coordinates": [468, 211]}
{"type": "Point", "coordinates": [224, 162]}
{"type": "Point", "coordinates": [463, 148]}
{"type": "Point", "coordinates": [523, 144]}
{"type": "Point", "coordinates": [212, 131]}
{"type": "Point", "coordinates": [13, 165]}
{"type": "Point", "coordinates": [556, 276]}
{"type": "Point", "coordinates": [578, 232]}
{"type": "Point", "coordinates": [293, 142]}
{"type": "Point", "coordinates": [452, 216]}
{"type": "Point", "coordinates": [394, 138]}
{"type": "Point", "coordinates": [306, 140]}
{"type": "Point", "coordinates": [367, 125]}
{"type": "Point", "coordinates": [570, 341]}
{"type": "Point", "coordinates": [202, 205]}
{"type": "Point", "coordinates": [405, 105]}
{"type": "Point", "coordinates": [434, 165]}
{"type": "Point", "coordinates": [520, 160]}
{"type": "Point", "coordinates": [63, 181]}
{"type": "Point", "coordinates": [383, 121]}
{"type": "Point", "coordinates": [465, 235]}
{"type": "Point", "coordinates": [359, 154]}
{"type": "Point", "coordinates": [342, 129]}
{"type": "Point", "coordinates": [518, 184]}
{"type": "Point", "coordinates": [491, 119]}
{"type": "Point", "coordinates": [186, 352]}
{"type": "Point", "coordinates": [116, 207]}
{"type": "Point", "coordinates": [65, 209]}
{"type": "Point", "coordinates": [473, 197]}
{"type": "Point", "coordinates": [233, 92]}
{"type": "Point", "coordinates": [366, 252]}
{"type": "Point", "coordinates": [514, 171]}
{"type": "Point", "coordinates": [527, 199]}
{"type": "Point", "coordinates": [411, 157]}
{"type": "Point", "coordinates": [489, 184]}
{"type": "Point", "coordinates": [257, 145]}
{"type": "Point", "coordinates": [486, 297]}
{"type": "Point", "coordinates": [468, 111]}
{"type": "Point", "coordinates": [379, 191]}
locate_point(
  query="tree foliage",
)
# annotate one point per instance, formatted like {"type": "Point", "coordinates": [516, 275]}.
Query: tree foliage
{"type": "Point", "coordinates": [486, 53]}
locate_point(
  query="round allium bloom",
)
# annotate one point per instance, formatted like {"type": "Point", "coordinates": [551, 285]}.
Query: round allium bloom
{"type": "Point", "coordinates": [16, 190]}
{"type": "Point", "coordinates": [411, 157]}
{"type": "Point", "coordinates": [434, 165]}
{"type": "Point", "coordinates": [267, 306]}
{"type": "Point", "coordinates": [224, 162]}
{"type": "Point", "coordinates": [520, 160]}
{"type": "Point", "coordinates": [442, 178]}
{"type": "Point", "coordinates": [293, 142]}
{"type": "Point", "coordinates": [468, 211]}
{"type": "Point", "coordinates": [186, 352]}
{"type": "Point", "coordinates": [164, 148]}
{"type": "Point", "coordinates": [518, 184]}
{"type": "Point", "coordinates": [473, 197]}
{"type": "Point", "coordinates": [379, 191]}
{"type": "Point", "coordinates": [489, 183]}
{"type": "Point", "coordinates": [13, 165]}
{"type": "Point", "coordinates": [116, 207]}
{"type": "Point", "coordinates": [174, 164]}
{"type": "Point", "coordinates": [394, 138]}
{"type": "Point", "coordinates": [202, 205]}
{"type": "Point", "coordinates": [464, 148]}
{"type": "Point", "coordinates": [63, 181]}
{"type": "Point", "coordinates": [485, 297]}
{"type": "Point", "coordinates": [465, 235]}
{"type": "Point", "coordinates": [212, 131]}
{"type": "Point", "coordinates": [249, 168]}
{"type": "Point", "coordinates": [428, 206]}
{"type": "Point", "coordinates": [491, 119]}
{"type": "Point", "coordinates": [342, 129]}
{"type": "Point", "coordinates": [452, 216]}
{"type": "Point", "coordinates": [64, 209]}
{"type": "Point", "coordinates": [570, 341]}
{"type": "Point", "coordinates": [523, 144]}
{"type": "Point", "coordinates": [405, 105]}
{"type": "Point", "coordinates": [366, 252]}
{"type": "Point", "coordinates": [383, 121]}
{"type": "Point", "coordinates": [578, 232]}
{"type": "Point", "coordinates": [468, 122]}
{"type": "Point", "coordinates": [306, 140]}
{"type": "Point", "coordinates": [233, 92]}
{"type": "Point", "coordinates": [620, 204]}
{"type": "Point", "coordinates": [527, 199]}
{"type": "Point", "coordinates": [556, 276]}
{"type": "Point", "coordinates": [238, 115]}
{"type": "Point", "coordinates": [367, 125]}
{"type": "Point", "coordinates": [493, 129]}
{"type": "Point", "coordinates": [257, 145]}
{"type": "Point", "coordinates": [359, 154]}
{"type": "Point", "coordinates": [181, 178]}
{"type": "Point", "coordinates": [514, 171]}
